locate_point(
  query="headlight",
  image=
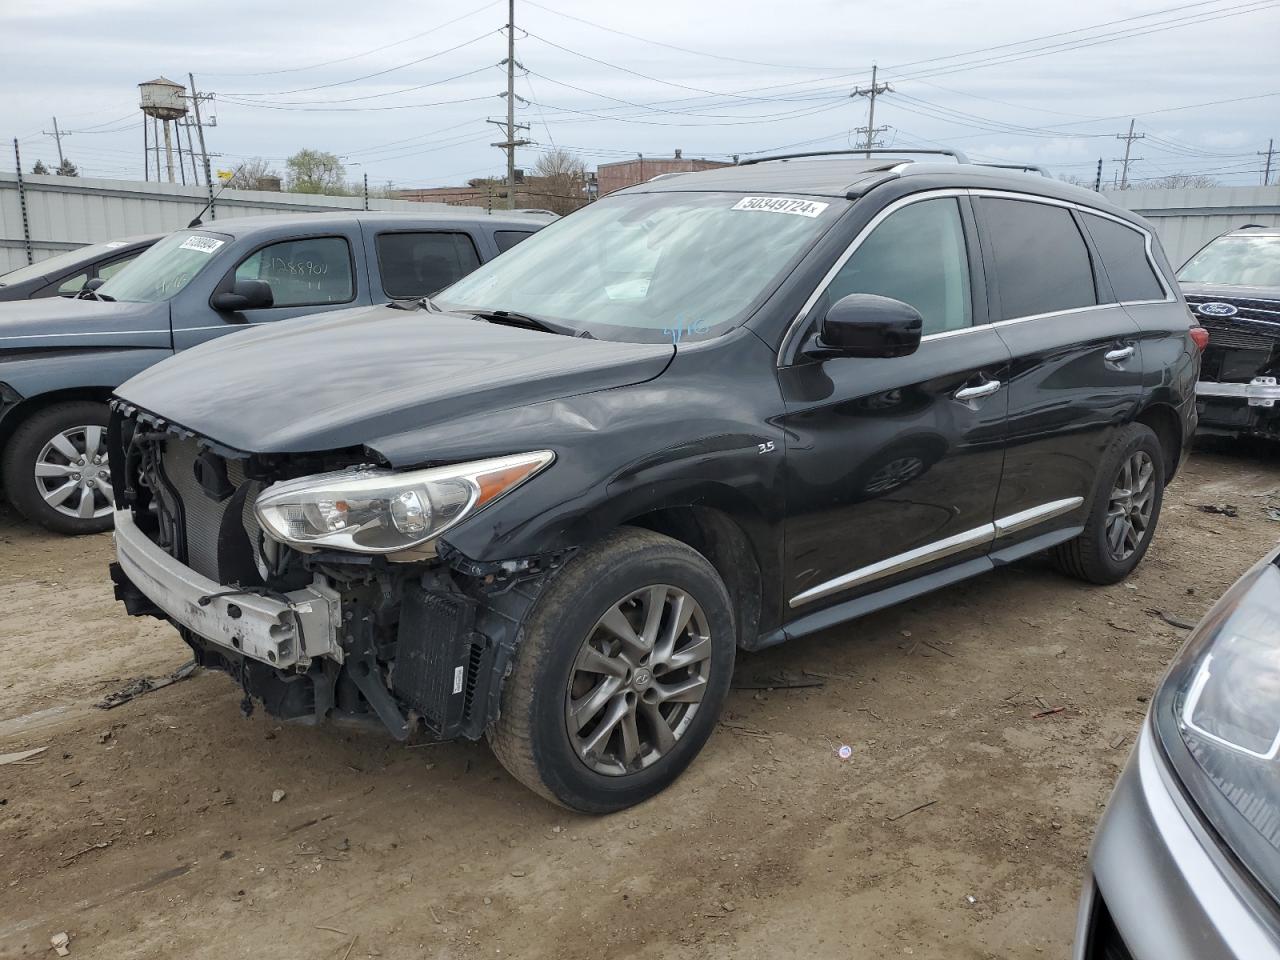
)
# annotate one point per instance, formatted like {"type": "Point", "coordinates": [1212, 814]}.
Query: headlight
{"type": "Point", "coordinates": [385, 511]}
{"type": "Point", "coordinates": [1217, 715]}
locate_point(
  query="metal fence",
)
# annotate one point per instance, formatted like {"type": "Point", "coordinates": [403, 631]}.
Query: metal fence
{"type": "Point", "coordinates": [67, 212]}
{"type": "Point", "coordinates": [62, 213]}
{"type": "Point", "coordinates": [1187, 219]}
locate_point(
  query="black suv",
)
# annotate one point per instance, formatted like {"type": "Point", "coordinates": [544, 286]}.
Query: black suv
{"type": "Point", "coordinates": [1233, 287]}
{"type": "Point", "coordinates": [714, 411]}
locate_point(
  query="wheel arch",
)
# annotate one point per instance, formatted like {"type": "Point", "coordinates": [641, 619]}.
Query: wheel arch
{"type": "Point", "coordinates": [29, 406]}
{"type": "Point", "coordinates": [718, 537]}
{"type": "Point", "coordinates": [1164, 422]}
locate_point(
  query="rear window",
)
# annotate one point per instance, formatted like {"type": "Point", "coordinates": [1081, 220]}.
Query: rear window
{"type": "Point", "coordinates": [506, 239]}
{"type": "Point", "coordinates": [1124, 256]}
{"type": "Point", "coordinates": [419, 264]}
{"type": "Point", "coordinates": [1042, 263]}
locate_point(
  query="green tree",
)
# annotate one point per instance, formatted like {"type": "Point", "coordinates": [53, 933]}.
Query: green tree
{"type": "Point", "coordinates": [67, 169]}
{"type": "Point", "coordinates": [314, 171]}
{"type": "Point", "coordinates": [40, 169]}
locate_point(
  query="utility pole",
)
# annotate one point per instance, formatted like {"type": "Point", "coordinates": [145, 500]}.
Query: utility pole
{"type": "Point", "coordinates": [1097, 178]}
{"type": "Point", "coordinates": [57, 137]}
{"type": "Point", "coordinates": [510, 143]}
{"type": "Point", "coordinates": [1271, 149]}
{"type": "Point", "coordinates": [195, 102]}
{"type": "Point", "coordinates": [871, 93]}
{"type": "Point", "coordinates": [1128, 139]}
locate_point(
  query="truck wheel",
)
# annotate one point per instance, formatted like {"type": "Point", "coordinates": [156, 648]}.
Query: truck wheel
{"type": "Point", "coordinates": [1126, 507]}
{"type": "Point", "coordinates": [620, 673]}
{"type": "Point", "coordinates": [55, 468]}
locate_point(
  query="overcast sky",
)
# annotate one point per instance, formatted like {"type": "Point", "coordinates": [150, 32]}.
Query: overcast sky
{"type": "Point", "coordinates": [997, 78]}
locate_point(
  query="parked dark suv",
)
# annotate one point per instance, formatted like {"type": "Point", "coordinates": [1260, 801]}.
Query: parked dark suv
{"type": "Point", "coordinates": [60, 359]}
{"type": "Point", "coordinates": [714, 411]}
{"type": "Point", "coordinates": [1233, 286]}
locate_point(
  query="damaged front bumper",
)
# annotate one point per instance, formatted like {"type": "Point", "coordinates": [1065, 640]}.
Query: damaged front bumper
{"type": "Point", "coordinates": [288, 630]}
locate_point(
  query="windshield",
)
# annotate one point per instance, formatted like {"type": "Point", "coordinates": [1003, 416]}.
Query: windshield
{"type": "Point", "coordinates": [164, 269]}
{"type": "Point", "coordinates": [656, 267]}
{"type": "Point", "coordinates": [62, 261]}
{"type": "Point", "coordinates": [1236, 261]}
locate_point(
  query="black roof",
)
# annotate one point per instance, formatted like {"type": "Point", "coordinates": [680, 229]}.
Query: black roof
{"type": "Point", "coordinates": [244, 226]}
{"type": "Point", "coordinates": [850, 177]}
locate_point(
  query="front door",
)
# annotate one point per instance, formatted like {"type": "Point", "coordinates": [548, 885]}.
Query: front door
{"type": "Point", "coordinates": [308, 274]}
{"type": "Point", "coordinates": [1077, 371]}
{"type": "Point", "coordinates": [893, 465]}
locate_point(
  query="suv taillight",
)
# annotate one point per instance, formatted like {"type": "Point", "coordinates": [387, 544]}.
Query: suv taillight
{"type": "Point", "coordinates": [1201, 337]}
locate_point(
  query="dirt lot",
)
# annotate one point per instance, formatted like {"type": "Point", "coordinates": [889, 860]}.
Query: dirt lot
{"type": "Point", "coordinates": [150, 830]}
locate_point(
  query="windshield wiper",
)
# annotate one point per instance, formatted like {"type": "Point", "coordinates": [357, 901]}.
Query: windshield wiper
{"type": "Point", "coordinates": [512, 319]}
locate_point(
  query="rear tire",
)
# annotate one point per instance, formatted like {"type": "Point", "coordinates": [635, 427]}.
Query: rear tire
{"type": "Point", "coordinates": [1126, 507]}
{"type": "Point", "coordinates": [589, 719]}
{"type": "Point", "coordinates": [51, 456]}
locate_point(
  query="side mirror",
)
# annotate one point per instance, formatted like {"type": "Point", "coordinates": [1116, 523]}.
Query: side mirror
{"type": "Point", "coordinates": [88, 288]}
{"type": "Point", "coordinates": [244, 295]}
{"type": "Point", "coordinates": [865, 325]}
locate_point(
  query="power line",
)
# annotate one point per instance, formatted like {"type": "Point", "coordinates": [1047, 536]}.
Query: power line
{"type": "Point", "coordinates": [365, 53]}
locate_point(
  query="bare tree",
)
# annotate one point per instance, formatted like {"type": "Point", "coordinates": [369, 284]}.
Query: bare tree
{"type": "Point", "coordinates": [559, 182]}
{"type": "Point", "coordinates": [1180, 180]}
{"type": "Point", "coordinates": [255, 174]}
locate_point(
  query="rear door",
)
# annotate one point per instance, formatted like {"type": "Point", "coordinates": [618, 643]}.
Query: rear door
{"type": "Point", "coordinates": [1077, 372]}
{"type": "Point", "coordinates": [308, 273]}
{"type": "Point", "coordinates": [893, 464]}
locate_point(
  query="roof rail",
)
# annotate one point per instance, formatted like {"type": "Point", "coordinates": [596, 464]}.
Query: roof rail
{"type": "Point", "coordinates": [959, 157]}
{"type": "Point", "coordinates": [1030, 167]}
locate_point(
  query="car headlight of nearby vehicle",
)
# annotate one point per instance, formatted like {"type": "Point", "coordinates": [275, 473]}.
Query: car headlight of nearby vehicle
{"type": "Point", "coordinates": [387, 511]}
{"type": "Point", "coordinates": [1217, 715]}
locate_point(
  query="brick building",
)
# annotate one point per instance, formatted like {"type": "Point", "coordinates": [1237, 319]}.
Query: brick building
{"type": "Point", "coordinates": [626, 173]}
{"type": "Point", "coordinates": [532, 192]}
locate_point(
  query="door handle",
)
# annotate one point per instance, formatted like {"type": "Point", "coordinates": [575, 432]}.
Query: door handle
{"type": "Point", "coordinates": [1119, 355]}
{"type": "Point", "coordinates": [964, 394]}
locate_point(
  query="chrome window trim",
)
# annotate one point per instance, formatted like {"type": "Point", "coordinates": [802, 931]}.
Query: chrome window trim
{"type": "Point", "coordinates": [988, 533]}
{"type": "Point", "coordinates": [999, 195]}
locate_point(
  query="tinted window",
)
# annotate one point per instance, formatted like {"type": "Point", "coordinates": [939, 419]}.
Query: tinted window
{"type": "Point", "coordinates": [1042, 263]}
{"type": "Point", "coordinates": [419, 264]}
{"type": "Point", "coordinates": [1124, 256]}
{"type": "Point", "coordinates": [306, 272]}
{"type": "Point", "coordinates": [506, 239]}
{"type": "Point", "coordinates": [918, 256]}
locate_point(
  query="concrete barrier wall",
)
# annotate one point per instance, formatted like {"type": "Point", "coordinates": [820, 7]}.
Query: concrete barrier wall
{"type": "Point", "coordinates": [1187, 219]}
{"type": "Point", "coordinates": [68, 212]}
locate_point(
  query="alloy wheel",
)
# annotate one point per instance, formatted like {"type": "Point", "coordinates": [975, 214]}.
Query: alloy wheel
{"type": "Point", "coordinates": [1129, 512]}
{"type": "Point", "coordinates": [72, 474]}
{"type": "Point", "coordinates": [638, 680]}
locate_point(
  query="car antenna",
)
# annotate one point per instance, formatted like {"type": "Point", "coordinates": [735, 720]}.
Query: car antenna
{"type": "Point", "coordinates": [197, 221]}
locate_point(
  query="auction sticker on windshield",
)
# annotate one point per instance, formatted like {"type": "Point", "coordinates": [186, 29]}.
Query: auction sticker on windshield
{"type": "Point", "coordinates": [201, 244]}
{"type": "Point", "coordinates": [799, 208]}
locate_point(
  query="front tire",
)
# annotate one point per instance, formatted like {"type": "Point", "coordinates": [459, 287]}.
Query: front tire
{"type": "Point", "coordinates": [1125, 510]}
{"type": "Point", "coordinates": [621, 671]}
{"type": "Point", "coordinates": [55, 468]}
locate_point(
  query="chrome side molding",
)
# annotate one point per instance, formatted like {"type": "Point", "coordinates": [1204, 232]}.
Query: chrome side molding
{"type": "Point", "coordinates": [985, 534]}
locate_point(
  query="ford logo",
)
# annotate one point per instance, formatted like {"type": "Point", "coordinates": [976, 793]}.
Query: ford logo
{"type": "Point", "coordinates": [1217, 310]}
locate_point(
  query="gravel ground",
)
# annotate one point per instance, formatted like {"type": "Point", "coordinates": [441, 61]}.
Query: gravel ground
{"type": "Point", "coordinates": [958, 828]}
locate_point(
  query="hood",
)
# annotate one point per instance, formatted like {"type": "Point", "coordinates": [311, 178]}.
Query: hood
{"type": "Point", "coordinates": [53, 322]}
{"type": "Point", "coordinates": [1227, 292]}
{"type": "Point", "coordinates": [332, 381]}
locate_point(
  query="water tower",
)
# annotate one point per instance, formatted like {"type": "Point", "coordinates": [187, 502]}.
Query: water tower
{"type": "Point", "coordinates": [164, 102]}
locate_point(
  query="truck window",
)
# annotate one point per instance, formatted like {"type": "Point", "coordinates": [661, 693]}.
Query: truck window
{"type": "Point", "coordinates": [1124, 256]}
{"type": "Point", "coordinates": [1042, 263]}
{"type": "Point", "coordinates": [306, 272]}
{"type": "Point", "coordinates": [506, 239]}
{"type": "Point", "coordinates": [420, 264]}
